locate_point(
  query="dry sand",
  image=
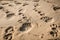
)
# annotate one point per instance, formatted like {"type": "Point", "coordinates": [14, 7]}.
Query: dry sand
{"type": "Point", "coordinates": [30, 20]}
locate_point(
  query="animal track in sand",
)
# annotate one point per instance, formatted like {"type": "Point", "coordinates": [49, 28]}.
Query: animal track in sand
{"type": "Point", "coordinates": [29, 20]}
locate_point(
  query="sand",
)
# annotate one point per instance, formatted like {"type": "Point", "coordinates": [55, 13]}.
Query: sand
{"type": "Point", "coordinates": [30, 20]}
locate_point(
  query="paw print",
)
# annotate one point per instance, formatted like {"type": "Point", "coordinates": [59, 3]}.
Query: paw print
{"type": "Point", "coordinates": [24, 18]}
{"type": "Point", "coordinates": [46, 18]}
{"type": "Point", "coordinates": [8, 33]}
{"type": "Point", "coordinates": [9, 29]}
{"type": "Point", "coordinates": [54, 31]}
{"type": "Point", "coordinates": [24, 26]}
{"type": "Point", "coordinates": [8, 36]}
{"type": "Point", "coordinates": [40, 13]}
